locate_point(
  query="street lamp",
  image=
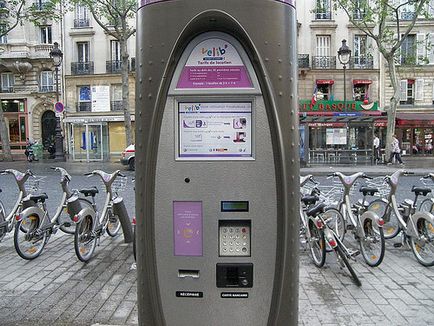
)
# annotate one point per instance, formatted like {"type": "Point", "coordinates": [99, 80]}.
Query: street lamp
{"type": "Point", "coordinates": [57, 56]}
{"type": "Point", "coordinates": [344, 55]}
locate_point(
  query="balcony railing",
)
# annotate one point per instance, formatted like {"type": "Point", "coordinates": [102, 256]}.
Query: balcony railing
{"type": "Point", "coordinates": [81, 22]}
{"type": "Point", "coordinates": [323, 62]}
{"type": "Point", "coordinates": [46, 88]}
{"type": "Point", "coordinates": [82, 68]}
{"type": "Point", "coordinates": [407, 15]}
{"type": "Point", "coordinates": [409, 60]}
{"type": "Point", "coordinates": [116, 106]}
{"type": "Point", "coordinates": [303, 61]}
{"type": "Point", "coordinates": [361, 62]}
{"type": "Point", "coordinates": [113, 67]}
{"type": "Point", "coordinates": [84, 107]}
{"type": "Point", "coordinates": [321, 14]}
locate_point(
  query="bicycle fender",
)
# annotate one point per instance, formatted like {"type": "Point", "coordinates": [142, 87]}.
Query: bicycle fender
{"type": "Point", "coordinates": [87, 211]}
{"type": "Point", "coordinates": [411, 227]}
{"type": "Point", "coordinates": [29, 211]}
{"type": "Point", "coordinates": [372, 216]}
{"type": "Point", "coordinates": [120, 210]}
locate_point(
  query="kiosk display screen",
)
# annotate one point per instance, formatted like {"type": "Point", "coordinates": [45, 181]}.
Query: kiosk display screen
{"type": "Point", "coordinates": [216, 131]}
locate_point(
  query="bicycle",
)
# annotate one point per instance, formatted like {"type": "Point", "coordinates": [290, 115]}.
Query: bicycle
{"type": "Point", "coordinates": [427, 205]}
{"type": "Point", "coordinates": [92, 223]}
{"type": "Point", "coordinates": [416, 227]}
{"type": "Point", "coordinates": [311, 227]}
{"type": "Point", "coordinates": [8, 222]}
{"type": "Point", "coordinates": [332, 238]}
{"type": "Point", "coordinates": [34, 226]}
{"type": "Point", "coordinates": [366, 225]}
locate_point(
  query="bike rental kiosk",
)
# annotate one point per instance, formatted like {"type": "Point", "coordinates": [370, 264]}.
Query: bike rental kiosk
{"type": "Point", "coordinates": [217, 165]}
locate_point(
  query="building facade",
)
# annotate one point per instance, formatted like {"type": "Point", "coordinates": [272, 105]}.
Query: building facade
{"type": "Point", "coordinates": [94, 121]}
{"type": "Point", "coordinates": [342, 107]}
{"type": "Point", "coordinates": [27, 83]}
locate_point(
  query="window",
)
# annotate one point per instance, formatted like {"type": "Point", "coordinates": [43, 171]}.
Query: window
{"type": "Point", "coordinates": [84, 99]}
{"type": "Point", "coordinates": [425, 48]}
{"type": "Point", "coordinates": [359, 9]}
{"type": "Point", "coordinates": [46, 35]}
{"type": "Point", "coordinates": [360, 50]}
{"type": "Point", "coordinates": [322, 58]}
{"type": "Point", "coordinates": [83, 51]}
{"type": "Point", "coordinates": [3, 37]}
{"type": "Point", "coordinates": [81, 16]}
{"type": "Point", "coordinates": [323, 10]}
{"type": "Point", "coordinates": [324, 92]}
{"type": "Point", "coordinates": [361, 92]}
{"type": "Point", "coordinates": [46, 81]}
{"type": "Point", "coordinates": [116, 97]}
{"type": "Point", "coordinates": [407, 10]}
{"type": "Point", "coordinates": [115, 57]}
{"type": "Point", "coordinates": [408, 50]}
{"type": "Point", "coordinates": [407, 91]}
{"type": "Point", "coordinates": [7, 80]}
{"type": "Point", "coordinates": [41, 4]}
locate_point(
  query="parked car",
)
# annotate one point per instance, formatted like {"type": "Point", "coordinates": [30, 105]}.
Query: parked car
{"type": "Point", "coordinates": [128, 157]}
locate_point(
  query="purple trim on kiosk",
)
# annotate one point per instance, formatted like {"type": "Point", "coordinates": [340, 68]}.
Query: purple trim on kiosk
{"type": "Point", "coordinates": [149, 2]}
{"type": "Point", "coordinates": [214, 77]}
{"type": "Point", "coordinates": [187, 228]}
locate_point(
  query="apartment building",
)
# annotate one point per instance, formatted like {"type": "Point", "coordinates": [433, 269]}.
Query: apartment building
{"type": "Point", "coordinates": [27, 81]}
{"type": "Point", "coordinates": [339, 116]}
{"type": "Point", "coordinates": [94, 122]}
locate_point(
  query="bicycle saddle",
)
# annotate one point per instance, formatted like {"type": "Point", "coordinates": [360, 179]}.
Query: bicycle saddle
{"type": "Point", "coordinates": [309, 200]}
{"type": "Point", "coordinates": [368, 191]}
{"type": "Point", "coordinates": [420, 191]}
{"type": "Point", "coordinates": [89, 192]}
{"type": "Point", "coordinates": [38, 197]}
{"type": "Point", "coordinates": [318, 209]}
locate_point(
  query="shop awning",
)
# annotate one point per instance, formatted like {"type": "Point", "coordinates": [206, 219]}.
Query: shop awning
{"type": "Point", "coordinates": [362, 81]}
{"type": "Point", "coordinates": [326, 119]}
{"type": "Point", "coordinates": [325, 81]}
{"type": "Point", "coordinates": [415, 119]}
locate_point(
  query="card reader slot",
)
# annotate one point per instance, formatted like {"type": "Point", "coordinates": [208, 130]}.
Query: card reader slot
{"type": "Point", "coordinates": [193, 273]}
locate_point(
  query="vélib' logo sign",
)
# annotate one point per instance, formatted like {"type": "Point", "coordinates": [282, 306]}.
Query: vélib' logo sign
{"type": "Point", "coordinates": [214, 53]}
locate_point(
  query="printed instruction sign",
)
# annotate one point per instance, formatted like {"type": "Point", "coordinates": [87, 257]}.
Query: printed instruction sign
{"type": "Point", "coordinates": [214, 63]}
{"type": "Point", "coordinates": [215, 130]}
{"type": "Point", "coordinates": [187, 228]}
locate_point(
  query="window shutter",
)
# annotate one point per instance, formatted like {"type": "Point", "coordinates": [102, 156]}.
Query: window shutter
{"type": "Point", "coordinates": [419, 89]}
{"type": "Point", "coordinates": [403, 94]}
{"type": "Point", "coordinates": [421, 48]}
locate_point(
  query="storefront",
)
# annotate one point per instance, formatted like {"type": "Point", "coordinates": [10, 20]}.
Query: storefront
{"type": "Point", "coordinates": [16, 119]}
{"type": "Point", "coordinates": [415, 132]}
{"type": "Point", "coordinates": [95, 138]}
{"type": "Point", "coordinates": [338, 131]}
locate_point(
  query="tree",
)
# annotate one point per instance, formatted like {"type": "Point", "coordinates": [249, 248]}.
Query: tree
{"type": "Point", "coordinates": [381, 20]}
{"type": "Point", "coordinates": [114, 17]}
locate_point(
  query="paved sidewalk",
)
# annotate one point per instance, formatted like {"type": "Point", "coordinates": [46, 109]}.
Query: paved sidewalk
{"type": "Point", "coordinates": [58, 289]}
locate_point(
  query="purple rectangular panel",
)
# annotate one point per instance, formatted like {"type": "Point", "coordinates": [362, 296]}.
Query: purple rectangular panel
{"type": "Point", "coordinates": [187, 228]}
{"type": "Point", "coordinates": [214, 77]}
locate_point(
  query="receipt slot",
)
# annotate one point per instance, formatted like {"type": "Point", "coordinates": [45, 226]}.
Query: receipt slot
{"type": "Point", "coordinates": [217, 171]}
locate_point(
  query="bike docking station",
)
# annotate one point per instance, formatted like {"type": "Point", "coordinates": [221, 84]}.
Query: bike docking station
{"type": "Point", "coordinates": [217, 163]}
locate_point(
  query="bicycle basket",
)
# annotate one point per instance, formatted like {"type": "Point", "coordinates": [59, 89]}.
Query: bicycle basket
{"type": "Point", "coordinates": [380, 184]}
{"type": "Point", "coordinates": [33, 184]}
{"type": "Point", "coordinates": [330, 195]}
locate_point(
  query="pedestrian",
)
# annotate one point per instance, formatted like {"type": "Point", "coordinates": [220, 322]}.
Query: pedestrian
{"type": "Point", "coordinates": [395, 151]}
{"type": "Point", "coordinates": [376, 144]}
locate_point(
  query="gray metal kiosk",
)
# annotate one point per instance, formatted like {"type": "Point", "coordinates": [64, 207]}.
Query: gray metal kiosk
{"type": "Point", "coordinates": [217, 167]}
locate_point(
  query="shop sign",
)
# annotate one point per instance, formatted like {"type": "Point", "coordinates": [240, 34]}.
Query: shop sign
{"type": "Point", "coordinates": [415, 123]}
{"type": "Point", "coordinates": [380, 123]}
{"type": "Point", "coordinates": [337, 106]}
{"type": "Point", "coordinates": [327, 124]}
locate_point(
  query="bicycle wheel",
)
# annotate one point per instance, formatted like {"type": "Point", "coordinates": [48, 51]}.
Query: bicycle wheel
{"type": "Point", "coordinates": [335, 221]}
{"type": "Point", "coordinates": [114, 224]}
{"type": "Point", "coordinates": [427, 205]}
{"type": "Point", "coordinates": [372, 245]}
{"type": "Point", "coordinates": [85, 239]}
{"type": "Point", "coordinates": [423, 245]}
{"type": "Point", "coordinates": [29, 240]}
{"type": "Point", "coordinates": [66, 224]}
{"type": "Point", "coordinates": [344, 261]}
{"type": "Point", "coordinates": [317, 244]}
{"type": "Point", "coordinates": [384, 210]}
